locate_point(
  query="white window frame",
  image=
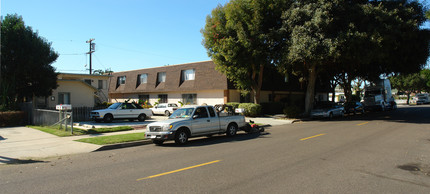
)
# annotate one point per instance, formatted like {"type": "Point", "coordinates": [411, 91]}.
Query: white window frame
{"type": "Point", "coordinates": [161, 77]}
{"type": "Point", "coordinates": [189, 74]}
{"type": "Point", "coordinates": [143, 78]}
{"type": "Point", "coordinates": [61, 98]}
{"type": "Point", "coordinates": [121, 80]}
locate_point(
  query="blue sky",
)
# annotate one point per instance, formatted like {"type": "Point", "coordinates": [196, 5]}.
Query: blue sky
{"type": "Point", "coordinates": [129, 34]}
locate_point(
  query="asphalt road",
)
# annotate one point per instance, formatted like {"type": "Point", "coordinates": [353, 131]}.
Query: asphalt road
{"type": "Point", "coordinates": [385, 152]}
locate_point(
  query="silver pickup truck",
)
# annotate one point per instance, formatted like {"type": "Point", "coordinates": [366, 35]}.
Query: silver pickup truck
{"type": "Point", "coordinates": [192, 121]}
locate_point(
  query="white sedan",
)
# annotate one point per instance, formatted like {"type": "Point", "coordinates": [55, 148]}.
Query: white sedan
{"type": "Point", "coordinates": [164, 108]}
{"type": "Point", "coordinates": [120, 110]}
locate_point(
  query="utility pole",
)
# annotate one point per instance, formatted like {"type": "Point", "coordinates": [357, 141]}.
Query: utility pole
{"type": "Point", "coordinates": [92, 49]}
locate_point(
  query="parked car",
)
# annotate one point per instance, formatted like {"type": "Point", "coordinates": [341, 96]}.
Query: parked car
{"type": "Point", "coordinates": [193, 121]}
{"type": "Point", "coordinates": [327, 110]}
{"type": "Point", "coordinates": [353, 107]}
{"type": "Point", "coordinates": [121, 110]}
{"type": "Point", "coordinates": [164, 108]}
{"type": "Point", "coordinates": [422, 98]}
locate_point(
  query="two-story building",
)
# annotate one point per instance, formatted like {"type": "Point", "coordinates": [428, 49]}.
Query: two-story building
{"type": "Point", "coordinates": [198, 83]}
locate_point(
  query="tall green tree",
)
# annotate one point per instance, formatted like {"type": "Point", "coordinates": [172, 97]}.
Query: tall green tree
{"type": "Point", "coordinates": [408, 84]}
{"type": "Point", "coordinates": [311, 44]}
{"type": "Point", "coordinates": [242, 39]}
{"type": "Point", "coordinates": [353, 39]}
{"type": "Point", "coordinates": [26, 60]}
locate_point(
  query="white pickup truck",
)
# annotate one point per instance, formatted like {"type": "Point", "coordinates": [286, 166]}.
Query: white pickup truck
{"type": "Point", "coordinates": [192, 121]}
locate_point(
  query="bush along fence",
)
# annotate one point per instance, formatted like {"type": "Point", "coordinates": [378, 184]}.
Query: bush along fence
{"type": "Point", "coordinates": [12, 118]}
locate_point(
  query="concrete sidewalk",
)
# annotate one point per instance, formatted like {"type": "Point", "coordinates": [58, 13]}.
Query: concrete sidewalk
{"type": "Point", "coordinates": [21, 143]}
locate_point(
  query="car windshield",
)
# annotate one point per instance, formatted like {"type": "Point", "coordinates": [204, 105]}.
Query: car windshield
{"type": "Point", "coordinates": [182, 113]}
{"type": "Point", "coordinates": [114, 106]}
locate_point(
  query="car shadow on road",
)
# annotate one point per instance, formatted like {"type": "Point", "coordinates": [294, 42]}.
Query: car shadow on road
{"type": "Point", "coordinates": [218, 139]}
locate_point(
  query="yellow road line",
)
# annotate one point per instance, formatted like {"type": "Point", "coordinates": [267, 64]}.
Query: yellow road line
{"type": "Point", "coordinates": [312, 137]}
{"type": "Point", "coordinates": [362, 123]}
{"type": "Point", "coordinates": [182, 169]}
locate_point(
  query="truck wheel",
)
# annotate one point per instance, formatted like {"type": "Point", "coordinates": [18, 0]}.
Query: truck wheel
{"type": "Point", "coordinates": [158, 142]}
{"type": "Point", "coordinates": [167, 113]}
{"type": "Point", "coordinates": [141, 117]}
{"type": "Point", "coordinates": [181, 137]}
{"type": "Point", "coordinates": [231, 129]}
{"type": "Point", "coordinates": [108, 118]}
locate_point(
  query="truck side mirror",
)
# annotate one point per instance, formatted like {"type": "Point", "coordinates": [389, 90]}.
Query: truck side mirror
{"type": "Point", "coordinates": [195, 116]}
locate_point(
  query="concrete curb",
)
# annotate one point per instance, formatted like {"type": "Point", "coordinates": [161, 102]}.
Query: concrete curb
{"type": "Point", "coordinates": [124, 145]}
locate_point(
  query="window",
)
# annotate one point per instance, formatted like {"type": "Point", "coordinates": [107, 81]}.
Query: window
{"type": "Point", "coordinates": [143, 78]}
{"type": "Point", "coordinates": [211, 112]}
{"type": "Point", "coordinates": [121, 80]}
{"type": "Point", "coordinates": [188, 74]}
{"type": "Point", "coordinates": [189, 98]}
{"type": "Point", "coordinates": [100, 84]}
{"type": "Point", "coordinates": [88, 81]}
{"type": "Point", "coordinates": [172, 105]}
{"type": "Point", "coordinates": [63, 98]}
{"type": "Point", "coordinates": [201, 112]}
{"type": "Point", "coordinates": [161, 77]}
{"type": "Point", "coordinates": [163, 98]}
{"type": "Point", "coordinates": [143, 98]}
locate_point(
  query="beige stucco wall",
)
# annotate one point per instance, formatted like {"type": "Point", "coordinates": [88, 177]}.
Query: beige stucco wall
{"type": "Point", "coordinates": [81, 95]}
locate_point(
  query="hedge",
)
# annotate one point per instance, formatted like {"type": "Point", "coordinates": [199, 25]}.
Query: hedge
{"type": "Point", "coordinates": [251, 109]}
{"type": "Point", "coordinates": [11, 118]}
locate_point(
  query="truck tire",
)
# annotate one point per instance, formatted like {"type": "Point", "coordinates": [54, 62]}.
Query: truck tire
{"type": "Point", "coordinates": [141, 117]}
{"type": "Point", "coordinates": [108, 118]}
{"type": "Point", "coordinates": [181, 137]}
{"type": "Point", "coordinates": [231, 129]}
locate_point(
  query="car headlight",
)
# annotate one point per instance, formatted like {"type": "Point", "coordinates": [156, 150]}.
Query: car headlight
{"type": "Point", "coordinates": [167, 127]}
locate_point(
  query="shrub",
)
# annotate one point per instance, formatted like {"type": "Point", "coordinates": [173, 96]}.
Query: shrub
{"type": "Point", "coordinates": [103, 105]}
{"type": "Point", "coordinates": [292, 111]}
{"type": "Point", "coordinates": [251, 109]}
{"type": "Point", "coordinates": [11, 118]}
{"type": "Point", "coordinates": [233, 104]}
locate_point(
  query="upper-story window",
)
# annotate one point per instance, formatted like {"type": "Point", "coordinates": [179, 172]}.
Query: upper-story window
{"type": "Point", "coordinates": [121, 80]}
{"type": "Point", "coordinates": [100, 84]}
{"type": "Point", "coordinates": [189, 74]}
{"type": "Point", "coordinates": [88, 81]}
{"type": "Point", "coordinates": [161, 77]}
{"type": "Point", "coordinates": [143, 78]}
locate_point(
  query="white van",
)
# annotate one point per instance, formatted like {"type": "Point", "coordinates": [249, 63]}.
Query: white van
{"type": "Point", "coordinates": [422, 98]}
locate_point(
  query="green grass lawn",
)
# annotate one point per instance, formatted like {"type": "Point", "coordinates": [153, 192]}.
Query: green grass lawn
{"type": "Point", "coordinates": [112, 139]}
{"type": "Point", "coordinates": [76, 131]}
